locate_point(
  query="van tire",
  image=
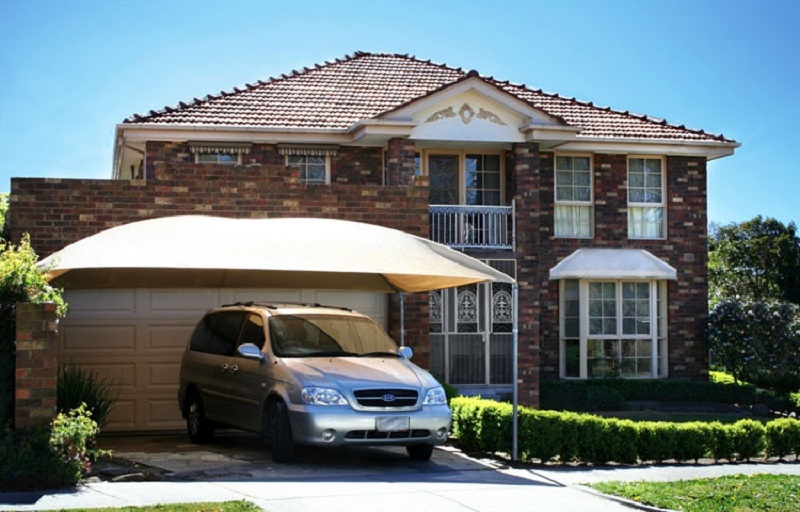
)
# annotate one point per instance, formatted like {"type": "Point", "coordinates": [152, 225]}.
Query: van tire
{"type": "Point", "coordinates": [200, 430]}
{"type": "Point", "coordinates": [420, 451]}
{"type": "Point", "coordinates": [281, 434]}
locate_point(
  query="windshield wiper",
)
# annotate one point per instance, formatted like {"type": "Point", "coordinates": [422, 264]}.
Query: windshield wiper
{"type": "Point", "coordinates": [330, 353]}
{"type": "Point", "coordinates": [379, 354]}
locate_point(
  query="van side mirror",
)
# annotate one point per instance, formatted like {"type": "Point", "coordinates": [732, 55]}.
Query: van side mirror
{"type": "Point", "coordinates": [405, 352]}
{"type": "Point", "coordinates": [250, 351]}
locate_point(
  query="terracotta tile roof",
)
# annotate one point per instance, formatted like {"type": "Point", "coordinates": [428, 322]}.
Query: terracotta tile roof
{"type": "Point", "coordinates": [337, 94]}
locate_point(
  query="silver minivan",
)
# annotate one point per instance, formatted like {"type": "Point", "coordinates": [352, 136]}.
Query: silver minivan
{"type": "Point", "coordinates": [307, 375]}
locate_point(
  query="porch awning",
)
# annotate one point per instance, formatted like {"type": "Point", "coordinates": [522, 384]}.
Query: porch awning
{"type": "Point", "coordinates": [612, 264]}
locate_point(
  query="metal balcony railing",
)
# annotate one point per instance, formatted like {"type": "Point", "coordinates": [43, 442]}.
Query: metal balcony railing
{"type": "Point", "coordinates": [473, 227]}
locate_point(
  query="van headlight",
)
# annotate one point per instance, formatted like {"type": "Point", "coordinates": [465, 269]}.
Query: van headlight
{"type": "Point", "coordinates": [322, 396]}
{"type": "Point", "coordinates": [435, 396]}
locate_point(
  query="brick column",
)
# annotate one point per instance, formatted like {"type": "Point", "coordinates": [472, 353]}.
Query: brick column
{"type": "Point", "coordinates": [400, 162]}
{"type": "Point", "coordinates": [525, 169]}
{"type": "Point", "coordinates": [37, 364]}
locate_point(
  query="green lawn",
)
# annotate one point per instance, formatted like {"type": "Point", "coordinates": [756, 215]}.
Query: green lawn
{"type": "Point", "coordinates": [738, 493]}
{"type": "Point", "coordinates": [225, 506]}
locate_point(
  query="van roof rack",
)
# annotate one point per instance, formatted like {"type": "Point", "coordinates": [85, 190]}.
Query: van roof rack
{"type": "Point", "coordinates": [282, 304]}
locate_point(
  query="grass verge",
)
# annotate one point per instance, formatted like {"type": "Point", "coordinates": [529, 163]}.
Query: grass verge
{"type": "Point", "coordinates": [741, 493]}
{"type": "Point", "coordinates": [225, 506]}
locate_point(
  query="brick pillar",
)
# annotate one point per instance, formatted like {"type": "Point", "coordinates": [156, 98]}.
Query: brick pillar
{"type": "Point", "coordinates": [416, 325]}
{"type": "Point", "coordinates": [37, 364]}
{"type": "Point", "coordinates": [400, 162]}
{"type": "Point", "coordinates": [525, 169]}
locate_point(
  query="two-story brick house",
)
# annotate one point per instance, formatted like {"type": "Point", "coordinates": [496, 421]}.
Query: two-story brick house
{"type": "Point", "coordinates": [599, 214]}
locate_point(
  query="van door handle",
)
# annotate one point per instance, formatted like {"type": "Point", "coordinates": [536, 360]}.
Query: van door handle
{"type": "Point", "coordinates": [225, 368]}
{"type": "Point", "coordinates": [234, 368]}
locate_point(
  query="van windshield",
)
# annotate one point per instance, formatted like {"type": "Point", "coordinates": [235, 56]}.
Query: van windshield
{"type": "Point", "coordinates": [328, 336]}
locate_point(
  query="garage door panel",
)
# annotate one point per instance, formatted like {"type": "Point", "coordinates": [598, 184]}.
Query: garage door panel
{"type": "Point", "coordinates": [267, 296]}
{"type": "Point", "coordinates": [168, 338]}
{"type": "Point", "coordinates": [176, 302]}
{"type": "Point", "coordinates": [164, 374]}
{"type": "Point", "coordinates": [122, 415]}
{"type": "Point", "coordinates": [163, 414]}
{"type": "Point", "coordinates": [120, 375]}
{"type": "Point", "coordinates": [109, 338]}
{"type": "Point", "coordinates": [100, 303]}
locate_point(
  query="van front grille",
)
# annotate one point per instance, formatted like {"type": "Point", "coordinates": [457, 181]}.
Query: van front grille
{"type": "Point", "coordinates": [377, 434]}
{"type": "Point", "coordinates": [382, 398]}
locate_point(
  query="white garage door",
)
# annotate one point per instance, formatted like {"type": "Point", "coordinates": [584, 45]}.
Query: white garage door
{"type": "Point", "coordinates": [135, 338]}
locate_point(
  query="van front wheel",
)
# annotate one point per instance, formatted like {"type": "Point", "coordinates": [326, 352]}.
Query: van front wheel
{"type": "Point", "coordinates": [281, 434]}
{"type": "Point", "coordinates": [420, 451]}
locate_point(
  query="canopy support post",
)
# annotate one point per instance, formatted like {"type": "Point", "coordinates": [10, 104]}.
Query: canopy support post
{"type": "Point", "coordinates": [402, 319]}
{"type": "Point", "coordinates": [515, 368]}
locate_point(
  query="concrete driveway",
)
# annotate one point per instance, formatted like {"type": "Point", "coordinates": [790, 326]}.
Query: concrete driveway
{"type": "Point", "coordinates": [237, 467]}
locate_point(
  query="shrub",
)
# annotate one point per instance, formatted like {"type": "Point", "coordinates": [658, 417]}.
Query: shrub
{"type": "Point", "coordinates": [72, 438]}
{"type": "Point", "coordinates": [783, 437]}
{"type": "Point", "coordinates": [78, 386]}
{"type": "Point", "coordinates": [47, 458]}
{"type": "Point", "coordinates": [748, 438]}
{"type": "Point", "coordinates": [567, 436]}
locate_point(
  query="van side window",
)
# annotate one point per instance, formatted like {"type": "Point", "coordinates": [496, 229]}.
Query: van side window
{"type": "Point", "coordinates": [253, 331]}
{"type": "Point", "coordinates": [217, 333]}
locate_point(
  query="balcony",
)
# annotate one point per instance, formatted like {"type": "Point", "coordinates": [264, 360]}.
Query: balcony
{"type": "Point", "coordinates": [473, 227]}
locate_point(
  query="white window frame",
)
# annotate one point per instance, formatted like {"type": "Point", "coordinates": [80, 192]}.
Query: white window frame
{"type": "Point", "coordinates": [217, 155]}
{"type": "Point", "coordinates": [311, 182]}
{"type": "Point", "coordinates": [573, 203]}
{"type": "Point", "coordinates": [658, 336]}
{"type": "Point", "coordinates": [639, 205]}
{"type": "Point", "coordinates": [462, 168]}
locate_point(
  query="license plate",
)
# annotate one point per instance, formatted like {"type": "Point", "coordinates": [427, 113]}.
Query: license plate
{"type": "Point", "coordinates": [392, 423]}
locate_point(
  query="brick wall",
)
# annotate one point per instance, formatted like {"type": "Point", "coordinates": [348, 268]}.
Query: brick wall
{"type": "Point", "coordinates": [36, 365]}
{"type": "Point", "coordinates": [685, 249]}
{"type": "Point", "coordinates": [57, 212]}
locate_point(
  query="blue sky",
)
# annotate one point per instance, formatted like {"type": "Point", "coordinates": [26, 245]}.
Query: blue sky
{"type": "Point", "coordinates": [70, 71]}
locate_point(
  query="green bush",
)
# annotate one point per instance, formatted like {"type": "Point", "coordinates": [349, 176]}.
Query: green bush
{"type": "Point", "coordinates": [614, 394]}
{"type": "Point", "coordinates": [76, 386]}
{"type": "Point", "coordinates": [546, 436]}
{"type": "Point", "coordinates": [72, 437]}
{"type": "Point", "coordinates": [748, 438]}
{"type": "Point", "coordinates": [783, 437]}
{"type": "Point", "coordinates": [48, 458]}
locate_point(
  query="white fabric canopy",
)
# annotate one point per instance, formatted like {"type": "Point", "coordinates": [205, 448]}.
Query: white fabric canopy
{"type": "Point", "coordinates": [612, 264]}
{"type": "Point", "coordinates": [204, 251]}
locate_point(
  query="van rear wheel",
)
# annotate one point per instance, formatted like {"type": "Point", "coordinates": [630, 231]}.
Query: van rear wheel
{"type": "Point", "coordinates": [200, 430]}
{"type": "Point", "coordinates": [420, 451]}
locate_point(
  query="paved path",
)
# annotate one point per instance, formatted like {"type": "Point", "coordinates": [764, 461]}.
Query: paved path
{"type": "Point", "coordinates": [367, 480]}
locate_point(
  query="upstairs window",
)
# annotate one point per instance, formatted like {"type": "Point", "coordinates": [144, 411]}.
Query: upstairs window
{"type": "Point", "coordinates": [217, 158]}
{"type": "Point", "coordinates": [225, 153]}
{"type": "Point", "coordinates": [573, 215]}
{"type": "Point", "coordinates": [646, 199]}
{"type": "Point", "coordinates": [314, 161]}
{"type": "Point", "coordinates": [313, 169]}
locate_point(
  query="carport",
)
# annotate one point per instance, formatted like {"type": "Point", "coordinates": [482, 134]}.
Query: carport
{"type": "Point", "coordinates": [145, 284]}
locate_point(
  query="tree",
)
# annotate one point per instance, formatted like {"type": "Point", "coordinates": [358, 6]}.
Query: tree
{"type": "Point", "coordinates": [756, 260]}
{"type": "Point", "coordinates": [3, 215]}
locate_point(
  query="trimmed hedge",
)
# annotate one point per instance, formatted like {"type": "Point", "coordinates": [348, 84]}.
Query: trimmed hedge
{"type": "Point", "coordinates": [545, 436]}
{"type": "Point", "coordinates": [614, 394]}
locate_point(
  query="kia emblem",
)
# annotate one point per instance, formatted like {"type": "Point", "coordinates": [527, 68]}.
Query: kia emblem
{"type": "Point", "coordinates": [388, 397]}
